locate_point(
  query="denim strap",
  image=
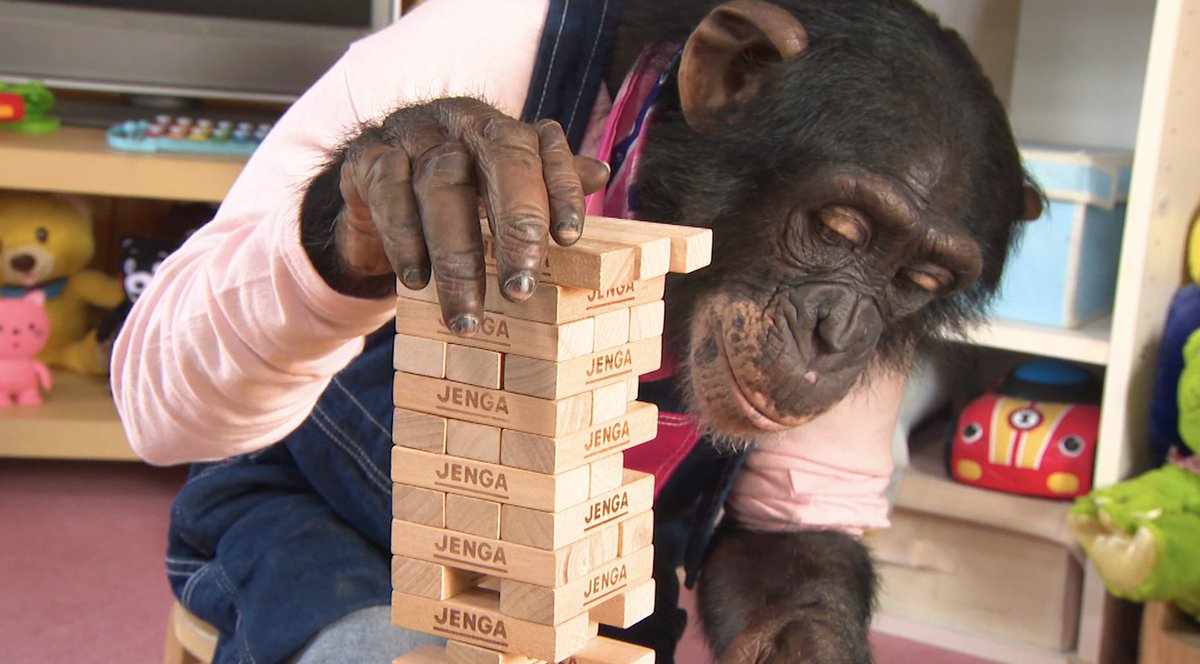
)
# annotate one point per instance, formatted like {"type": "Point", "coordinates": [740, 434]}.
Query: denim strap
{"type": "Point", "coordinates": [572, 59]}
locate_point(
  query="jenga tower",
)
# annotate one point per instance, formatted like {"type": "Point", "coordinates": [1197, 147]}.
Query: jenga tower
{"type": "Point", "coordinates": [517, 528]}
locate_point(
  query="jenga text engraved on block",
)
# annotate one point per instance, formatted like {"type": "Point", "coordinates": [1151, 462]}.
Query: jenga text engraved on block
{"type": "Point", "coordinates": [549, 417]}
{"type": "Point", "coordinates": [545, 454]}
{"type": "Point", "coordinates": [550, 530]}
{"type": "Point", "coordinates": [492, 556]}
{"type": "Point", "coordinates": [474, 617]}
{"type": "Point", "coordinates": [491, 481]}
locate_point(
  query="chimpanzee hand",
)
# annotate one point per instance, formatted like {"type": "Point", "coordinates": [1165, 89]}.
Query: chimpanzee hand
{"type": "Point", "coordinates": [404, 198]}
{"type": "Point", "coordinates": [776, 598]}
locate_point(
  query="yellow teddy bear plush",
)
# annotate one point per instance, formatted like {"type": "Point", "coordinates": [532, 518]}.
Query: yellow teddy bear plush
{"type": "Point", "coordinates": [46, 243]}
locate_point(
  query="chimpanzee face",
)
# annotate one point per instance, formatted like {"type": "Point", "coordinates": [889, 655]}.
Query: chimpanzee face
{"type": "Point", "coordinates": [862, 190]}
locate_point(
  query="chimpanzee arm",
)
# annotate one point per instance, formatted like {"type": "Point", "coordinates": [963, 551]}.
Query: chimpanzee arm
{"type": "Point", "coordinates": [787, 597]}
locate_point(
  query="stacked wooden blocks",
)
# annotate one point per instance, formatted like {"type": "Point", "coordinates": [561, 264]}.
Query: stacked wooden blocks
{"type": "Point", "coordinates": [517, 528]}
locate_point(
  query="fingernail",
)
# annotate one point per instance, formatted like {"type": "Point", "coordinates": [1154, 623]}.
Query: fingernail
{"type": "Point", "coordinates": [464, 324]}
{"type": "Point", "coordinates": [568, 226]}
{"type": "Point", "coordinates": [519, 285]}
{"type": "Point", "coordinates": [413, 277]}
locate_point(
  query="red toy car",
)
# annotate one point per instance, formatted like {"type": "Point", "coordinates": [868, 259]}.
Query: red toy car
{"type": "Point", "coordinates": [1034, 433]}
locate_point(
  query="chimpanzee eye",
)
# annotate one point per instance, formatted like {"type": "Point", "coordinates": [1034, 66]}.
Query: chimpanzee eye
{"type": "Point", "coordinates": [42, 235]}
{"type": "Point", "coordinates": [928, 277]}
{"type": "Point", "coordinates": [843, 224]}
{"type": "Point", "coordinates": [1071, 446]}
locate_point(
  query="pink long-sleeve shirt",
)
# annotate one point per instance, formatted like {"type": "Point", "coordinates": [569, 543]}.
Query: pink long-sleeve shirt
{"type": "Point", "coordinates": [230, 347]}
{"type": "Point", "coordinates": [237, 336]}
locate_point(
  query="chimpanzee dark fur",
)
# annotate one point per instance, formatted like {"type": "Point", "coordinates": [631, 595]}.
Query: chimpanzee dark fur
{"type": "Point", "coordinates": [814, 581]}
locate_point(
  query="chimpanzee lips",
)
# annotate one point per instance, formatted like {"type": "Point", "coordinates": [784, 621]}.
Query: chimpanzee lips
{"type": "Point", "coordinates": [753, 415]}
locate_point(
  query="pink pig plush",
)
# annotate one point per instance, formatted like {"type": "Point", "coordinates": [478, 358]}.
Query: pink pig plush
{"type": "Point", "coordinates": [24, 329]}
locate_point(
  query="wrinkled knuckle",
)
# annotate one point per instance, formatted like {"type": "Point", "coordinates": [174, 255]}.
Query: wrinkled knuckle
{"type": "Point", "coordinates": [503, 131]}
{"type": "Point", "coordinates": [458, 267]}
{"type": "Point", "coordinates": [447, 163]}
{"type": "Point", "coordinates": [522, 229]}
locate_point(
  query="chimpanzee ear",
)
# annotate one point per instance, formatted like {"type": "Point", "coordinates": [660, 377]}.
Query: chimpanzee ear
{"type": "Point", "coordinates": [723, 58]}
{"type": "Point", "coordinates": [1033, 203]}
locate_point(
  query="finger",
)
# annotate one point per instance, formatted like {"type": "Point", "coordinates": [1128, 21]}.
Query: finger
{"type": "Point", "coordinates": [356, 237]}
{"type": "Point", "coordinates": [509, 170]}
{"type": "Point", "coordinates": [563, 185]}
{"type": "Point", "coordinates": [593, 173]}
{"type": "Point", "coordinates": [446, 196]}
{"type": "Point", "coordinates": [396, 218]}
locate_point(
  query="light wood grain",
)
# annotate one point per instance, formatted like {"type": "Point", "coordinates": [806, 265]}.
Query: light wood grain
{"type": "Point", "coordinates": [548, 417]}
{"type": "Point", "coordinates": [491, 556]}
{"type": "Point", "coordinates": [546, 454]}
{"type": "Point", "coordinates": [474, 617]}
{"type": "Point", "coordinates": [556, 380]}
{"type": "Point", "coordinates": [499, 332]}
{"type": "Point", "coordinates": [553, 530]}
{"type": "Point", "coordinates": [490, 481]}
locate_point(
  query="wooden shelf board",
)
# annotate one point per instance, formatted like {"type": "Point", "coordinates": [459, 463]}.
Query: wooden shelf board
{"type": "Point", "coordinates": [926, 486]}
{"type": "Point", "coordinates": [963, 641]}
{"type": "Point", "coordinates": [1088, 344]}
{"type": "Point", "coordinates": [78, 160]}
{"type": "Point", "coordinates": [77, 421]}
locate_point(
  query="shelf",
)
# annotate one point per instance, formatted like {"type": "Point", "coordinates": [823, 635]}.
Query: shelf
{"type": "Point", "coordinates": [78, 160]}
{"type": "Point", "coordinates": [1088, 344]}
{"type": "Point", "coordinates": [964, 641]}
{"type": "Point", "coordinates": [77, 421]}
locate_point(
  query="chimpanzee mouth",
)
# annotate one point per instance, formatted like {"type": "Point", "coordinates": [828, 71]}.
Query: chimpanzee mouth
{"type": "Point", "coordinates": [749, 411]}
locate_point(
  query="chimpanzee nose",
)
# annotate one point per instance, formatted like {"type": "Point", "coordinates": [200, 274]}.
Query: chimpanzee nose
{"type": "Point", "coordinates": [841, 320]}
{"type": "Point", "coordinates": [23, 263]}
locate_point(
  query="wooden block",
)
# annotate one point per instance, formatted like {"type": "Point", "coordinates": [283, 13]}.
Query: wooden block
{"type": "Point", "coordinates": [635, 533]}
{"type": "Point", "coordinates": [556, 380]}
{"type": "Point", "coordinates": [419, 505]}
{"type": "Point", "coordinates": [612, 329]}
{"type": "Point", "coordinates": [604, 545]}
{"type": "Point", "coordinates": [418, 577]}
{"type": "Point", "coordinates": [499, 332]}
{"type": "Point", "coordinates": [490, 481]}
{"type": "Point", "coordinates": [458, 652]}
{"type": "Point", "coordinates": [691, 247]}
{"type": "Point", "coordinates": [493, 557]}
{"type": "Point", "coordinates": [589, 263]}
{"type": "Point", "coordinates": [473, 441]}
{"type": "Point", "coordinates": [603, 650]}
{"type": "Point", "coordinates": [474, 366]}
{"type": "Point", "coordinates": [627, 609]}
{"type": "Point", "coordinates": [550, 530]}
{"type": "Point", "coordinates": [473, 516]}
{"type": "Point", "coordinates": [551, 606]}
{"type": "Point", "coordinates": [554, 304]}
{"type": "Point", "coordinates": [426, 654]}
{"type": "Point", "coordinates": [652, 250]}
{"type": "Point", "coordinates": [606, 474]}
{"type": "Point", "coordinates": [420, 431]}
{"type": "Point", "coordinates": [548, 417]}
{"type": "Point", "coordinates": [474, 617]}
{"type": "Point", "coordinates": [646, 320]}
{"type": "Point", "coordinates": [610, 401]}
{"type": "Point", "coordinates": [544, 454]}
{"type": "Point", "coordinates": [635, 384]}
{"type": "Point", "coordinates": [420, 356]}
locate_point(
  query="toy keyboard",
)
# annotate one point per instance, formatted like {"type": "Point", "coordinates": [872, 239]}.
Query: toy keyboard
{"type": "Point", "coordinates": [183, 134]}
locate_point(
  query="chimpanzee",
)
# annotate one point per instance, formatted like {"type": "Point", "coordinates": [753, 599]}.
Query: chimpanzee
{"type": "Point", "coordinates": [863, 186]}
{"type": "Point", "coordinates": [862, 183]}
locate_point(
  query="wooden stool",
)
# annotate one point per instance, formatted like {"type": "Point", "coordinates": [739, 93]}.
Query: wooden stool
{"type": "Point", "coordinates": [1168, 636]}
{"type": "Point", "coordinates": [189, 639]}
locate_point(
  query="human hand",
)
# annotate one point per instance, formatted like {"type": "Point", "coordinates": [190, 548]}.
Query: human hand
{"type": "Point", "coordinates": [413, 188]}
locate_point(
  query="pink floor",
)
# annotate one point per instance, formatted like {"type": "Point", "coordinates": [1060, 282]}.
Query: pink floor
{"type": "Point", "coordinates": [81, 572]}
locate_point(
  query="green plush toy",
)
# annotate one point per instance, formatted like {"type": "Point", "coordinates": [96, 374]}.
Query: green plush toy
{"type": "Point", "coordinates": [1143, 535]}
